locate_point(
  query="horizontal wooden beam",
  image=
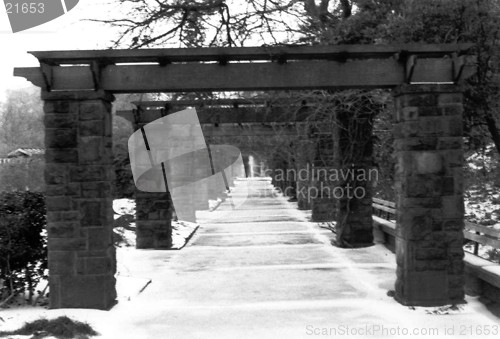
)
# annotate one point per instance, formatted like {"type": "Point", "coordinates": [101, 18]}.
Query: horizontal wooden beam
{"type": "Point", "coordinates": [226, 54]}
{"type": "Point", "coordinates": [247, 131]}
{"type": "Point", "coordinates": [227, 115]}
{"type": "Point", "coordinates": [237, 102]}
{"type": "Point", "coordinates": [300, 75]}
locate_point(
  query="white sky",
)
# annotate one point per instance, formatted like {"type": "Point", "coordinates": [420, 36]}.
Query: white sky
{"type": "Point", "coordinates": [65, 32]}
{"type": "Point", "coordinates": [68, 32]}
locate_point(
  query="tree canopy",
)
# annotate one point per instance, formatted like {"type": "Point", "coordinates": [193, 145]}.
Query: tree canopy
{"type": "Point", "coordinates": [156, 23]}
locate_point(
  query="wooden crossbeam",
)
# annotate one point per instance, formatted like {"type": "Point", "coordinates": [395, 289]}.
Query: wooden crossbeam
{"type": "Point", "coordinates": [225, 54]}
{"type": "Point", "coordinates": [242, 76]}
{"type": "Point", "coordinates": [247, 131]}
{"type": "Point", "coordinates": [277, 68]}
{"type": "Point", "coordinates": [227, 122]}
{"type": "Point", "coordinates": [238, 102]}
{"type": "Point", "coordinates": [228, 115]}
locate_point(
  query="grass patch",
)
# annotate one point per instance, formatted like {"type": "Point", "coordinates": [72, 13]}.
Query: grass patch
{"type": "Point", "coordinates": [62, 328]}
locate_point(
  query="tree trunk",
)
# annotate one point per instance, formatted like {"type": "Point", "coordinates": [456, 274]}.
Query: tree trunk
{"type": "Point", "coordinates": [346, 8]}
{"type": "Point", "coordinates": [492, 127]}
{"type": "Point", "coordinates": [30, 284]}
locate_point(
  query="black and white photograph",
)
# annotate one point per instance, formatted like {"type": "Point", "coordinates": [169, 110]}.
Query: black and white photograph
{"type": "Point", "coordinates": [248, 169]}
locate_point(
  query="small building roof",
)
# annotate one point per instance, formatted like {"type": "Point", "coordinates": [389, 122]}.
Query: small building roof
{"type": "Point", "coordinates": [25, 152]}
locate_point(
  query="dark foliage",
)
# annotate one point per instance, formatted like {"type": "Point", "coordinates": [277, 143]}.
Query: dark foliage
{"type": "Point", "coordinates": [62, 328]}
{"type": "Point", "coordinates": [23, 251]}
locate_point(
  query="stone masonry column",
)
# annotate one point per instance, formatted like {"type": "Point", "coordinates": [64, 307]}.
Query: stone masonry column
{"type": "Point", "coordinates": [429, 184]}
{"type": "Point", "coordinates": [305, 157]}
{"type": "Point", "coordinates": [79, 174]}
{"type": "Point", "coordinates": [291, 174]}
{"type": "Point", "coordinates": [353, 160]}
{"type": "Point", "coordinates": [246, 165]}
{"type": "Point", "coordinates": [321, 194]}
{"type": "Point", "coordinates": [154, 212]}
{"type": "Point", "coordinates": [154, 220]}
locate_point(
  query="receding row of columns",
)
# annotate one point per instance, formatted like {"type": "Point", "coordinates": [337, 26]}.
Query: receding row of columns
{"type": "Point", "coordinates": [429, 188]}
{"type": "Point", "coordinates": [428, 132]}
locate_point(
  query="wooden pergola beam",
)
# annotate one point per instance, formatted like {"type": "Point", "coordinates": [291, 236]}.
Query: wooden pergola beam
{"type": "Point", "coordinates": [235, 102]}
{"type": "Point", "coordinates": [227, 115]}
{"type": "Point", "coordinates": [247, 131]}
{"type": "Point", "coordinates": [226, 54]}
{"type": "Point", "coordinates": [370, 73]}
{"type": "Point", "coordinates": [249, 68]}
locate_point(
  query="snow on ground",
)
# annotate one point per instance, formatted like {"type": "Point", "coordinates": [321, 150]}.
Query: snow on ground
{"type": "Point", "coordinates": [125, 227]}
{"type": "Point", "coordinates": [128, 285]}
{"type": "Point", "coordinates": [371, 270]}
{"type": "Point", "coordinates": [482, 196]}
{"type": "Point", "coordinates": [124, 206]}
{"type": "Point", "coordinates": [482, 207]}
{"type": "Point", "coordinates": [182, 232]}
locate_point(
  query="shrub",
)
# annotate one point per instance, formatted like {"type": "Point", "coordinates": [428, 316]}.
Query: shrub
{"type": "Point", "coordinates": [61, 328]}
{"type": "Point", "coordinates": [23, 250]}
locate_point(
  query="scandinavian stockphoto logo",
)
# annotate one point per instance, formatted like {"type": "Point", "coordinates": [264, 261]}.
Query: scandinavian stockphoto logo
{"type": "Point", "coordinates": [26, 14]}
{"type": "Point", "coordinates": [171, 154]}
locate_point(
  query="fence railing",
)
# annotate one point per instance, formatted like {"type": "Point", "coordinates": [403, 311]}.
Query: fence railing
{"type": "Point", "coordinates": [482, 235]}
{"type": "Point", "coordinates": [384, 215]}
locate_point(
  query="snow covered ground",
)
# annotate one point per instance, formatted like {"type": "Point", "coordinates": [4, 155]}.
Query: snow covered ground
{"type": "Point", "coordinates": [264, 284]}
{"type": "Point", "coordinates": [125, 227]}
{"type": "Point", "coordinates": [482, 196]}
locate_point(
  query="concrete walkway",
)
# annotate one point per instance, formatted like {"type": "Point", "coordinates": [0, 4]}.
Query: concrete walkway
{"type": "Point", "coordinates": [266, 272]}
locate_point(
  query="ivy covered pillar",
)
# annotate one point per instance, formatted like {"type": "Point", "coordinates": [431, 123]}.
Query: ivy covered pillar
{"type": "Point", "coordinates": [79, 174]}
{"type": "Point", "coordinates": [304, 163]}
{"type": "Point", "coordinates": [355, 173]}
{"type": "Point", "coordinates": [323, 187]}
{"type": "Point", "coordinates": [429, 184]}
{"type": "Point", "coordinates": [246, 165]}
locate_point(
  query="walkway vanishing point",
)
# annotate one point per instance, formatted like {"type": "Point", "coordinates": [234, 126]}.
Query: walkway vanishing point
{"type": "Point", "coordinates": [266, 272]}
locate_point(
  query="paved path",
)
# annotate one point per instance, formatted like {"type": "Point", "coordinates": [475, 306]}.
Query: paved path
{"type": "Point", "coordinates": [266, 272]}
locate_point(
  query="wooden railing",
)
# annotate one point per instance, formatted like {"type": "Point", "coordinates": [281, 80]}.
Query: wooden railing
{"type": "Point", "coordinates": [482, 235]}
{"type": "Point", "coordinates": [476, 268]}
{"type": "Point", "coordinates": [384, 215]}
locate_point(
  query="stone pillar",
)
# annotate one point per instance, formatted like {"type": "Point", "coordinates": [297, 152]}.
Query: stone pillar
{"type": "Point", "coordinates": [153, 220]}
{"type": "Point", "coordinates": [153, 215]}
{"type": "Point", "coordinates": [321, 197]}
{"type": "Point", "coordinates": [429, 184]}
{"type": "Point", "coordinates": [322, 202]}
{"type": "Point", "coordinates": [305, 156]}
{"type": "Point", "coordinates": [354, 166]}
{"type": "Point", "coordinates": [79, 174]}
{"type": "Point", "coordinates": [291, 174]}
{"type": "Point", "coordinates": [246, 165]}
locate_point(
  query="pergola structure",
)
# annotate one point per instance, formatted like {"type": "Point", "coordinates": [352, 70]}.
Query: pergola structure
{"type": "Point", "coordinates": [233, 121]}
{"type": "Point", "coordinates": [226, 117]}
{"type": "Point", "coordinates": [78, 87]}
